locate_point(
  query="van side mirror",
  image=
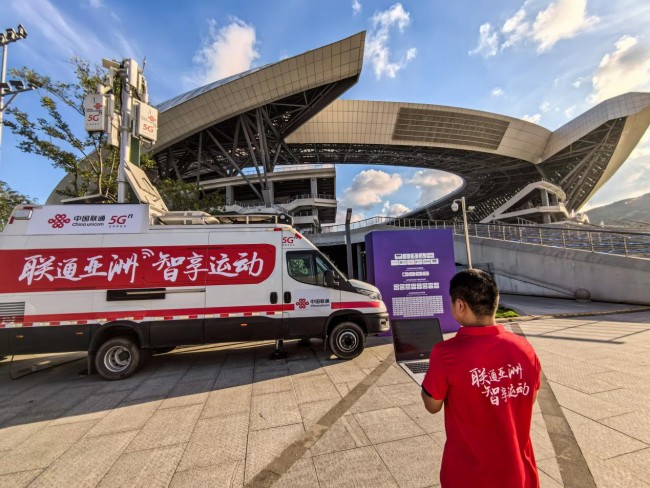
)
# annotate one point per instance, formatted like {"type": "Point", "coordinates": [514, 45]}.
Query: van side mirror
{"type": "Point", "coordinates": [331, 279]}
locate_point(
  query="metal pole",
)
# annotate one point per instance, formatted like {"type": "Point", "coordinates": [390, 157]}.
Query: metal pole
{"type": "Point", "coordinates": [125, 134]}
{"type": "Point", "coordinates": [348, 242]}
{"type": "Point", "coordinates": [469, 254]}
{"type": "Point", "coordinates": [2, 100]}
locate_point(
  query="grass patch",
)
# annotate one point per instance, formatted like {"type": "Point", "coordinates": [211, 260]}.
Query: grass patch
{"type": "Point", "coordinates": [505, 313]}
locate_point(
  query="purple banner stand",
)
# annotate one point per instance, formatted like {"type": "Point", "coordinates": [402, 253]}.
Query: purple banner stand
{"type": "Point", "coordinates": [412, 269]}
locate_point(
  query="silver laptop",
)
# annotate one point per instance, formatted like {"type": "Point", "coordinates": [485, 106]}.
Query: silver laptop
{"type": "Point", "coordinates": [413, 340]}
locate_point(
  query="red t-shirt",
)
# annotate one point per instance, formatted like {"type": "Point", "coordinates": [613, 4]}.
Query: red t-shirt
{"type": "Point", "coordinates": [487, 378]}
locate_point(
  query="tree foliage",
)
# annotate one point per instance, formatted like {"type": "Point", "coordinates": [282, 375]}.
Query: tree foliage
{"type": "Point", "coordinates": [180, 195]}
{"type": "Point", "coordinates": [8, 200]}
{"type": "Point", "coordinates": [91, 163]}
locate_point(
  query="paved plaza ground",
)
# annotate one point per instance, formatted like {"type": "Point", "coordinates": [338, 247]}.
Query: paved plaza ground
{"type": "Point", "coordinates": [226, 415]}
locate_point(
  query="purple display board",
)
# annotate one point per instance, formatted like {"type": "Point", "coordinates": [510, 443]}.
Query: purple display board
{"type": "Point", "coordinates": [412, 269]}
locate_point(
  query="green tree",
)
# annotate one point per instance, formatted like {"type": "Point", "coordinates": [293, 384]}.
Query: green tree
{"type": "Point", "coordinates": [180, 195]}
{"type": "Point", "coordinates": [8, 200]}
{"type": "Point", "coordinates": [90, 162]}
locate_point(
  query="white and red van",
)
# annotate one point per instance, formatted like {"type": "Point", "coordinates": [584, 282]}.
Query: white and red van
{"type": "Point", "coordinates": [119, 283]}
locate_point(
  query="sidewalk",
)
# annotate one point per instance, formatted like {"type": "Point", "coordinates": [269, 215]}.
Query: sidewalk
{"type": "Point", "coordinates": [226, 415]}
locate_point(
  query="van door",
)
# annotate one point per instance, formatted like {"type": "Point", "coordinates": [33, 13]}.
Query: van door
{"type": "Point", "coordinates": [305, 290]}
{"type": "Point", "coordinates": [244, 286]}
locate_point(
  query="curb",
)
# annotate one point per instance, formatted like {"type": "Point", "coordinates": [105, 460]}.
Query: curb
{"type": "Point", "coordinates": [527, 318]}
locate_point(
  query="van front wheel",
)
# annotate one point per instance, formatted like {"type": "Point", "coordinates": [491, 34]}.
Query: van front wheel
{"type": "Point", "coordinates": [347, 340]}
{"type": "Point", "coordinates": [117, 358]}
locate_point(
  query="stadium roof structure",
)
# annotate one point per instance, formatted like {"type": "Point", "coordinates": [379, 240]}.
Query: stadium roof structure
{"type": "Point", "coordinates": [289, 113]}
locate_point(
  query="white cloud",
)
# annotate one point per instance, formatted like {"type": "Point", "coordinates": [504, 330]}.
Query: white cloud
{"type": "Point", "coordinates": [227, 51]}
{"type": "Point", "coordinates": [394, 209]}
{"type": "Point", "coordinates": [433, 184]}
{"type": "Point", "coordinates": [356, 216]}
{"type": "Point", "coordinates": [626, 69]}
{"type": "Point", "coordinates": [96, 3]}
{"type": "Point", "coordinates": [578, 82]}
{"type": "Point", "coordinates": [487, 43]}
{"type": "Point", "coordinates": [64, 36]}
{"type": "Point", "coordinates": [570, 111]}
{"type": "Point", "coordinates": [377, 50]}
{"type": "Point", "coordinates": [561, 20]}
{"type": "Point", "coordinates": [369, 187]}
{"type": "Point", "coordinates": [545, 106]}
{"type": "Point", "coordinates": [356, 7]}
{"type": "Point", "coordinates": [497, 92]}
{"type": "Point", "coordinates": [515, 29]}
{"type": "Point", "coordinates": [532, 118]}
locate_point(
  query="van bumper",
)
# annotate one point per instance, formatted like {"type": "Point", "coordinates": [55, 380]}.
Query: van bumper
{"type": "Point", "coordinates": [377, 323]}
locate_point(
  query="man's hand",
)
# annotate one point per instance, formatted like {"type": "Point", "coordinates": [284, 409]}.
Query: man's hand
{"type": "Point", "coordinates": [431, 404]}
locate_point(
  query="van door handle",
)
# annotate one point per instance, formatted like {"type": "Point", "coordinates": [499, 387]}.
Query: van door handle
{"type": "Point", "coordinates": [287, 297]}
{"type": "Point", "coordinates": [274, 297]}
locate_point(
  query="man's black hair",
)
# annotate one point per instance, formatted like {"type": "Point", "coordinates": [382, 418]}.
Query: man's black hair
{"type": "Point", "coordinates": [476, 288]}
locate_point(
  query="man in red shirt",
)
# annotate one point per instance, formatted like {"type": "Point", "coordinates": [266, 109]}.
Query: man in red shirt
{"type": "Point", "coordinates": [487, 379]}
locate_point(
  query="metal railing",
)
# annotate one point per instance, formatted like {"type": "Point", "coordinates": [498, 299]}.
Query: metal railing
{"type": "Point", "coordinates": [629, 244]}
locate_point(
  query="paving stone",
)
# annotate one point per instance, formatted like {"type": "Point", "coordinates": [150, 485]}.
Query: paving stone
{"type": "Point", "coordinates": [546, 481]}
{"type": "Point", "coordinates": [221, 475]}
{"type": "Point", "coordinates": [265, 445]}
{"type": "Point", "coordinates": [233, 377]}
{"type": "Point", "coordinates": [440, 438]}
{"type": "Point", "coordinates": [372, 399]}
{"type": "Point", "coordinates": [413, 462]}
{"type": "Point", "coordinates": [85, 463]}
{"type": "Point", "coordinates": [347, 372]}
{"type": "Point", "coordinates": [600, 440]}
{"type": "Point", "coordinates": [94, 407]}
{"type": "Point", "coordinates": [128, 416]}
{"type": "Point", "coordinates": [635, 424]}
{"type": "Point", "coordinates": [305, 367]}
{"type": "Point", "coordinates": [272, 381]}
{"type": "Point", "coordinates": [314, 388]}
{"type": "Point", "coordinates": [301, 475]}
{"type": "Point", "coordinates": [387, 425]}
{"type": "Point", "coordinates": [274, 410]}
{"type": "Point", "coordinates": [588, 405]}
{"type": "Point", "coordinates": [613, 473]}
{"type": "Point", "coordinates": [215, 441]}
{"type": "Point", "coordinates": [403, 393]}
{"type": "Point", "coordinates": [228, 401]}
{"type": "Point", "coordinates": [542, 445]}
{"type": "Point", "coordinates": [393, 375]}
{"type": "Point", "coordinates": [19, 480]}
{"type": "Point", "coordinates": [202, 370]}
{"type": "Point", "coordinates": [354, 468]}
{"type": "Point", "coordinates": [167, 427]}
{"type": "Point", "coordinates": [550, 469]}
{"type": "Point", "coordinates": [189, 393]}
{"type": "Point", "coordinates": [43, 447]}
{"type": "Point", "coordinates": [428, 422]}
{"type": "Point", "coordinates": [151, 468]}
{"type": "Point", "coordinates": [13, 435]}
{"type": "Point", "coordinates": [155, 388]}
{"type": "Point", "coordinates": [313, 412]}
{"type": "Point", "coordinates": [346, 433]}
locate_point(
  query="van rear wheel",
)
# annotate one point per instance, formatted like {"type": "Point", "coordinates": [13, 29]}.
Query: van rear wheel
{"type": "Point", "coordinates": [347, 340]}
{"type": "Point", "coordinates": [118, 358]}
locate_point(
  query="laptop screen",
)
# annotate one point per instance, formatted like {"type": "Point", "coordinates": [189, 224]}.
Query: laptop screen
{"type": "Point", "coordinates": [414, 339]}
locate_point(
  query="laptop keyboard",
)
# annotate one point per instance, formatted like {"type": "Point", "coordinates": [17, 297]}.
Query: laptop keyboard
{"type": "Point", "coordinates": [418, 367]}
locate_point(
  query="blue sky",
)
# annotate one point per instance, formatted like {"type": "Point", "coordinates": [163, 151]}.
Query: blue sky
{"type": "Point", "coordinates": [543, 61]}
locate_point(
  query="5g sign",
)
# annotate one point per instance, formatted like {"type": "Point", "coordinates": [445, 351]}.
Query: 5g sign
{"type": "Point", "coordinates": [96, 113]}
{"type": "Point", "coordinates": [146, 125]}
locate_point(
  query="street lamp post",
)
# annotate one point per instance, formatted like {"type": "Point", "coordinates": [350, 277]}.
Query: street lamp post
{"type": "Point", "coordinates": [8, 37]}
{"type": "Point", "coordinates": [454, 207]}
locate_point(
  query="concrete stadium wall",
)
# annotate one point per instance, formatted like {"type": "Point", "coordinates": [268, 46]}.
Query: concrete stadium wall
{"type": "Point", "coordinates": [546, 271]}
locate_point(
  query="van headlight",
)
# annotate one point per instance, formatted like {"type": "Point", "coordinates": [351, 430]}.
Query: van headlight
{"type": "Point", "coordinates": [369, 293]}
